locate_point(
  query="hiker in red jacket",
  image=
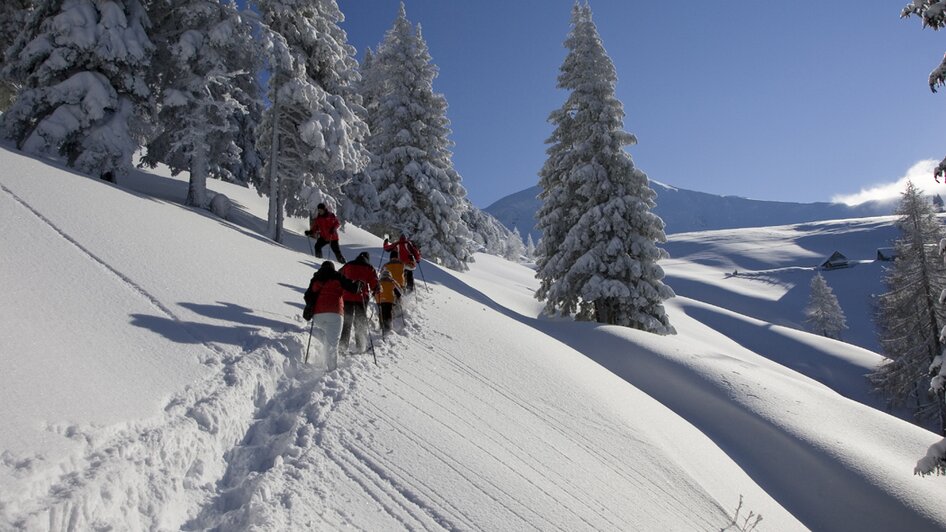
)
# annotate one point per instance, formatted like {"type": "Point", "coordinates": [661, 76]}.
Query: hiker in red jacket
{"type": "Point", "coordinates": [409, 254]}
{"type": "Point", "coordinates": [325, 226]}
{"type": "Point", "coordinates": [324, 306]}
{"type": "Point", "coordinates": [356, 311]}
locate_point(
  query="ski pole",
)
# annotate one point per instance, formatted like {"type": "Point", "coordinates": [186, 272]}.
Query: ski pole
{"type": "Point", "coordinates": [381, 258]}
{"type": "Point", "coordinates": [364, 299]}
{"type": "Point", "coordinates": [309, 343]}
{"type": "Point", "coordinates": [421, 268]}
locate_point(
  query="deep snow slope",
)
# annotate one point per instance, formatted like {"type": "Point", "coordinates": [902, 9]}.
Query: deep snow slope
{"type": "Point", "coordinates": [171, 395]}
{"type": "Point", "coordinates": [774, 267]}
{"type": "Point", "coordinates": [184, 404]}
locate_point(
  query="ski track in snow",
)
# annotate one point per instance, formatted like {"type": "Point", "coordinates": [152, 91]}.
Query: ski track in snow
{"type": "Point", "coordinates": [130, 283]}
{"type": "Point", "coordinates": [587, 445]}
{"type": "Point", "coordinates": [308, 442]}
{"type": "Point", "coordinates": [508, 445]}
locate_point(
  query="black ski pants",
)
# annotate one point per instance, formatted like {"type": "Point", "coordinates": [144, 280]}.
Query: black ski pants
{"type": "Point", "coordinates": [409, 279]}
{"type": "Point", "coordinates": [387, 315]}
{"type": "Point", "coordinates": [321, 242]}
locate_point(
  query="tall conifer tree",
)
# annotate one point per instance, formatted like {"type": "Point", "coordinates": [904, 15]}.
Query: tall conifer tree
{"type": "Point", "coordinates": [418, 188]}
{"type": "Point", "coordinates": [82, 67]}
{"type": "Point", "coordinates": [599, 253]}
{"type": "Point", "coordinates": [933, 15]}
{"type": "Point", "coordinates": [204, 73]}
{"type": "Point", "coordinates": [909, 318]}
{"type": "Point", "coordinates": [312, 134]}
{"type": "Point", "coordinates": [13, 16]}
{"type": "Point", "coordinates": [360, 204]}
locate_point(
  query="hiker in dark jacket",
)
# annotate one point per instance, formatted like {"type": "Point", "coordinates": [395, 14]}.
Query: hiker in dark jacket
{"type": "Point", "coordinates": [325, 306]}
{"type": "Point", "coordinates": [356, 311]}
{"type": "Point", "coordinates": [325, 227]}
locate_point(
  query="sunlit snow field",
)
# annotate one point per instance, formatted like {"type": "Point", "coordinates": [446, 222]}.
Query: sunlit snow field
{"type": "Point", "coordinates": [152, 378]}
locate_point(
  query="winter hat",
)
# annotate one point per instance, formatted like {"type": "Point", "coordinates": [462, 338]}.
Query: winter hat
{"type": "Point", "coordinates": [364, 257]}
{"type": "Point", "coordinates": [320, 206]}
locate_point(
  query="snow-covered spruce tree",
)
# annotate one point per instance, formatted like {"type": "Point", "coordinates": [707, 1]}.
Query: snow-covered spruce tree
{"type": "Point", "coordinates": [935, 459]}
{"type": "Point", "coordinates": [514, 246]}
{"type": "Point", "coordinates": [360, 201]}
{"type": "Point", "coordinates": [418, 188]}
{"type": "Point", "coordinates": [488, 233]}
{"type": "Point", "coordinates": [823, 313]}
{"type": "Point", "coordinates": [938, 205]}
{"type": "Point", "coordinates": [312, 132]}
{"type": "Point", "coordinates": [530, 246]}
{"type": "Point", "coordinates": [13, 16]}
{"type": "Point", "coordinates": [203, 74]}
{"type": "Point", "coordinates": [82, 65]}
{"type": "Point", "coordinates": [908, 316]}
{"type": "Point", "coordinates": [933, 15]}
{"type": "Point", "coordinates": [599, 254]}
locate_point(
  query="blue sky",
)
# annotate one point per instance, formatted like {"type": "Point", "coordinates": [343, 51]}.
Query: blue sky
{"type": "Point", "coordinates": [790, 101]}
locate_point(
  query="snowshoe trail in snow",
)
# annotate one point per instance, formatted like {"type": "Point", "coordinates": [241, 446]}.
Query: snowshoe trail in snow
{"type": "Point", "coordinates": [269, 474]}
{"type": "Point", "coordinates": [151, 474]}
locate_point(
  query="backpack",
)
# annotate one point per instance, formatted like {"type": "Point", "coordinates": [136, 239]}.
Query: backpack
{"type": "Point", "coordinates": [413, 255]}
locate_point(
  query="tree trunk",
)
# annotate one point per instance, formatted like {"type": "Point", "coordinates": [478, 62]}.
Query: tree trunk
{"type": "Point", "coordinates": [197, 188]}
{"type": "Point", "coordinates": [605, 311]}
{"type": "Point", "coordinates": [941, 400]}
{"type": "Point", "coordinates": [274, 218]}
{"type": "Point", "coordinates": [280, 218]}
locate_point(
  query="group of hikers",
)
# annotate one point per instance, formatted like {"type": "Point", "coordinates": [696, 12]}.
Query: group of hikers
{"type": "Point", "coordinates": [337, 301]}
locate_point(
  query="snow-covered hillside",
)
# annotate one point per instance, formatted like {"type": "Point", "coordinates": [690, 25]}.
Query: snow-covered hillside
{"type": "Point", "coordinates": [152, 379]}
{"type": "Point", "coordinates": [774, 267]}
{"type": "Point", "coordinates": [687, 210]}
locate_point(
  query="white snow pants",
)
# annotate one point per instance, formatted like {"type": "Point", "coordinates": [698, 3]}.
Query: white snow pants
{"type": "Point", "coordinates": [328, 329]}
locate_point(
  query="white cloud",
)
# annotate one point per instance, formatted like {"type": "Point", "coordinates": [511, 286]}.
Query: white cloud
{"type": "Point", "coordinates": [920, 173]}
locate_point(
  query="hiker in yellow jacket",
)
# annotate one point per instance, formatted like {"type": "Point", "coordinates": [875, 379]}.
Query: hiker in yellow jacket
{"type": "Point", "coordinates": [387, 295]}
{"type": "Point", "coordinates": [396, 268]}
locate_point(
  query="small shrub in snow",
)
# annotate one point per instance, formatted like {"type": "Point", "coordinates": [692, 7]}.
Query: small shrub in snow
{"type": "Point", "coordinates": [745, 524]}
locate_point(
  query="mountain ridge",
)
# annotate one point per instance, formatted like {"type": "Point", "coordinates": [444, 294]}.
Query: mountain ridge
{"type": "Point", "coordinates": [684, 211]}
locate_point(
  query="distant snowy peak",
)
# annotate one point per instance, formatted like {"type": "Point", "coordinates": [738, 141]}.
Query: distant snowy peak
{"type": "Point", "coordinates": [687, 210]}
